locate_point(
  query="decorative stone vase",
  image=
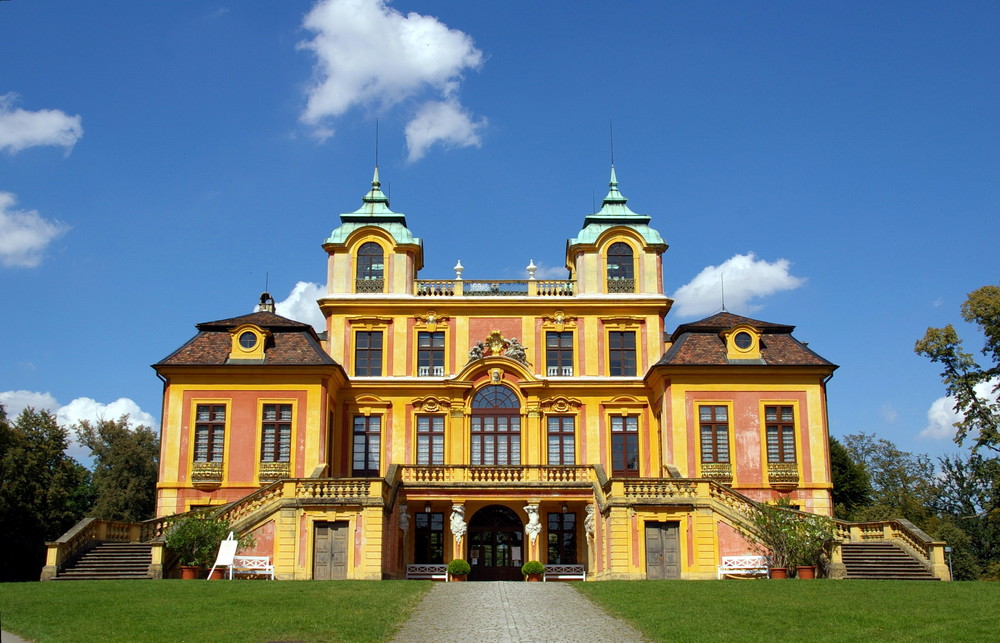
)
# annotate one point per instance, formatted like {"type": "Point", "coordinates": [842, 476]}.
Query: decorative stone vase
{"type": "Point", "coordinates": [779, 572]}
{"type": "Point", "coordinates": [533, 578]}
{"type": "Point", "coordinates": [189, 572]}
{"type": "Point", "coordinates": [806, 572]}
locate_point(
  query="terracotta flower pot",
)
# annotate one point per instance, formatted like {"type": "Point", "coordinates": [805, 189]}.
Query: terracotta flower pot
{"type": "Point", "coordinates": [189, 572]}
{"type": "Point", "coordinates": [533, 578]}
{"type": "Point", "coordinates": [217, 574]}
{"type": "Point", "coordinates": [806, 572]}
{"type": "Point", "coordinates": [779, 572]}
{"type": "Point", "coordinates": [458, 578]}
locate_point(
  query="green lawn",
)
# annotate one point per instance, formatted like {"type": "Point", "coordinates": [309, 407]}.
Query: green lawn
{"type": "Point", "coordinates": [792, 610]}
{"type": "Point", "coordinates": [174, 610]}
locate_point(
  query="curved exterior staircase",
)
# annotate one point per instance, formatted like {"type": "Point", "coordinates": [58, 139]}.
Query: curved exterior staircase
{"type": "Point", "coordinates": [881, 561]}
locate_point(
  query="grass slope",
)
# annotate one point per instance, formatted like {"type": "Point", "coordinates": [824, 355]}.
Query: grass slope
{"type": "Point", "coordinates": [822, 610]}
{"type": "Point", "coordinates": [171, 610]}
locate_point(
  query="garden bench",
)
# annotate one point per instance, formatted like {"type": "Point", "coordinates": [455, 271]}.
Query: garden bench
{"type": "Point", "coordinates": [427, 572]}
{"type": "Point", "coordinates": [743, 566]}
{"type": "Point", "coordinates": [251, 566]}
{"type": "Point", "coordinates": [564, 572]}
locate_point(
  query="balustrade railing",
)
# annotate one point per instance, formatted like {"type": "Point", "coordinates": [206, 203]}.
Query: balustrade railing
{"type": "Point", "coordinates": [497, 474]}
{"type": "Point", "coordinates": [495, 288]}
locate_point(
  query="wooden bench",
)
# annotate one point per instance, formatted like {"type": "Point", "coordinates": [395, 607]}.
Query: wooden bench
{"type": "Point", "coordinates": [743, 566]}
{"type": "Point", "coordinates": [564, 572]}
{"type": "Point", "coordinates": [427, 572]}
{"type": "Point", "coordinates": [251, 566]}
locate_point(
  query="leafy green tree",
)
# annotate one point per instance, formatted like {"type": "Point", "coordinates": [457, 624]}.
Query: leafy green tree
{"type": "Point", "coordinates": [126, 464]}
{"type": "Point", "coordinates": [962, 375]}
{"type": "Point", "coordinates": [852, 489]}
{"type": "Point", "coordinates": [969, 494]}
{"type": "Point", "coordinates": [43, 492]}
{"type": "Point", "coordinates": [903, 483]}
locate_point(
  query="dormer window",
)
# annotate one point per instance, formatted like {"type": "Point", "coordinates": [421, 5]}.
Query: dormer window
{"type": "Point", "coordinates": [247, 343]}
{"type": "Point", "coordinates": [248, 340]}
{"type": "Point", "coordinates": [742, 343]}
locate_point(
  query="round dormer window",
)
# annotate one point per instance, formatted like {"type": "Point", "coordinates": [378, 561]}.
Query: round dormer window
{"type": "Point", "coordinates": [248, 340]}
{"type": "Point", "coordinates": [743, 340]}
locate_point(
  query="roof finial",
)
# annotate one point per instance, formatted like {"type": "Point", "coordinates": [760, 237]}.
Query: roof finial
{"type": "Point", "coordinates": [722, 281]}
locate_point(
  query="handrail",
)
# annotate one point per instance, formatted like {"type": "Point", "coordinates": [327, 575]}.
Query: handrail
{"type": "Point", "coordinates": [494, 287]}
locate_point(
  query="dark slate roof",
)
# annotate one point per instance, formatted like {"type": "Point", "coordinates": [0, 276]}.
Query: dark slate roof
{"type": "Point", "coordinates": [291, 343]}
{"type": "Point", "coordinates": [701, 343]}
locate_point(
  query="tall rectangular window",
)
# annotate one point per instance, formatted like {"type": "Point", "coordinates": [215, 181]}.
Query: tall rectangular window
{"type": "Point", "coordinates": [428, 538]}
{"type": "Point", "coordinates": [559, 353]}
{"type": "Point", "coordinates": [276, 433]}
{"type": "Point", "coordinates": [496, 440]}
{"type": "Point", "coordinates": [430, 353]}
{"type": "Point", "coordinates": [209, 432]}
{"type": "Point", "coordinates": [430, 439]}
{"type": "Point", "coordinates": [621, 352]}
{"type": "Point", "coordinates": [714, 426]}
{"type": "Point", "coordinates": [562, 539]}
{"type": "Point", "coordinates": [367, 440]}
{"type": "Point", "coordinates": [625, 445]}
{"type": "Point", "coordinates": [562, 437]}
{"type": "Point", "coordinates": [368, 353]}
{"type": "Point", "coordinates": [780, 426]}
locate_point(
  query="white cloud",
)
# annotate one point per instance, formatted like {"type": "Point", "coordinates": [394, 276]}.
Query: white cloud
{"type": "Point", "coordinates": [301, 305]}
{"type": "Point", "coordinates": [82, 408]}
{"type": "Point", "coordinates": [444, 122]}
{"type": "Point", "coordinates": [746, 278]}
{"type": "Point", "coordinates": [368, 54]}
{"type": "Point", "coordinates": [24, 234]}
{"type": "Point", "coordinates": [888, 413]}
{"type": "Point", "coordinates": [941, 416]}
{"type": "Point", "coordinates": [546, 271]}
{"type": "Point", "coordinates": [20, 129]}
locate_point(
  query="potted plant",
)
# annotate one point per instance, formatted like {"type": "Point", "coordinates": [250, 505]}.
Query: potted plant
{"type": "Point", "coordinates": [532, 571]}
{"type": "Point", "coordinates": [790, 539]}
{"type": "Point", "coordinates": [195, 539]}
{"type": "Point", "coordinates": [458, 569]}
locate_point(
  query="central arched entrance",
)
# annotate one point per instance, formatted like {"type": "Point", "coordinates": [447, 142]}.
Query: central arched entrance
{"type": "Point", "coordinates": [496, 544]}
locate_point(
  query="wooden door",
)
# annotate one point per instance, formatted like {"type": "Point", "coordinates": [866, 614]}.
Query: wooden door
{"type": "Point", "coordinates": [330, 540]}
{"type": "Point", "coordinates": [663, 550]}
{"type": "Point", "coordinates": [496, 544]}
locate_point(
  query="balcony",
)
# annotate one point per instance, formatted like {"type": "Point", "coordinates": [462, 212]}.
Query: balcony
{"type": "Point", "coordinates": [783, 475]}
{"type": "Point", "coordinates": [718, 471]}
{"type": "Point", "coordinates": [492, 476]}
{"type": "Point", "coordinates": [494, 288]}
{"type": "Point", "coordinates": [207, 475]}
{"type": "Point", "coordinates": [268, 472]}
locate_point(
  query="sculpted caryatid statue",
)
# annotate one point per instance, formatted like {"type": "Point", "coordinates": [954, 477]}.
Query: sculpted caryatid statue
{"type": "Point", "coordinates": [534, 526]}
{"type": "Point", "coordinates": [588, 521]}
{"type": "Point", "coordinates": [458, 522]}
{"type": "Point", "coordinates": [404, 518]}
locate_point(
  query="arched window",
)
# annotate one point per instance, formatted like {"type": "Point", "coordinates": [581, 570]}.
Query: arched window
{"type": "Point", "coordinates": [621, 268]}
{"type": "Point", "coordinates": [371, 265]}
{"type": "Point", "coordinates": [496, 427]}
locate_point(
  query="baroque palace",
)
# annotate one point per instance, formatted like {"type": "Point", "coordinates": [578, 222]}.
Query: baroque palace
{"type": "Point", "coordinates": [497, 421]}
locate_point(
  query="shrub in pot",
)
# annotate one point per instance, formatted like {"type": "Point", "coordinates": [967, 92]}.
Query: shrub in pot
{"type": "Point", "coordinates": [789, 538]}
{"type": "Point", "coordinates": [533, 570]}
{"type": "Point", "coordinates": [459, 569]}
{"type": "Point", "coordinates": [195, 539]}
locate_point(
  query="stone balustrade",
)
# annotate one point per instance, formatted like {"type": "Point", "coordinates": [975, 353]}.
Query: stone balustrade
{"type": "Point", "coordinates": [494, 288]}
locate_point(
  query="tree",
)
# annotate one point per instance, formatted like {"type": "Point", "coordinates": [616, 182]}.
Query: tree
{"type": "Point", "coordinates": [968, 498]}
{"type": "Point", "coordinates": [43, 492]}
{"type": "Point", "coordinates": [852, 489]}
{"type": "Point", "coordinates": [902, 483]}
{"type": "Point", "coordinates": [126, 464]}
{"type": "Point", "coordinates": [962, 375]}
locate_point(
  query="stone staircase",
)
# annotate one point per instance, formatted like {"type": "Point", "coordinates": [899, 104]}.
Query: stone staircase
{"type": "Point", "coordinates": [110, 561]}
{"type": "Point", "coordinates": [881, 561]}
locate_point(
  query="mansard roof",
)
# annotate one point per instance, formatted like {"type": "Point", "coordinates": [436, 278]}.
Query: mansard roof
{"type": "Point", "coordinates": [290, 343]}
{"type": "Point", "coordinates": [701, 343]}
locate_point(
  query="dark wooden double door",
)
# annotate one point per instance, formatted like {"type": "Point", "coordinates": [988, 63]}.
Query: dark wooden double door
{"type": "Point", "coordinates": [663, 550]}
{"type": "Point", "coordinates": [330, 542]}
{"type": "Point", "coordinates": [496, 544]}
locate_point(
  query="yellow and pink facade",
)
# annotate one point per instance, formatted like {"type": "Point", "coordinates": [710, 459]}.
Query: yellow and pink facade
{"type": "Point", "coordinates": [498, 421]}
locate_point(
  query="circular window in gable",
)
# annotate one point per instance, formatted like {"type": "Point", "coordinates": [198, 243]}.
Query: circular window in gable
{"type": "Point", "coordinates": [248, 340]}
{"type": "Point", "coordinates": [743, 340]}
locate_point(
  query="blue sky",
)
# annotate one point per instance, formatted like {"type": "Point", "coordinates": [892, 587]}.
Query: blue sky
{"type": "Point", "coordinates": [837, 162]}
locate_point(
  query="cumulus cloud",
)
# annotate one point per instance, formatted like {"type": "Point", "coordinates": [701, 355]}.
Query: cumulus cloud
{"type": "Point", "coordinates": [301, 306]}
{"type": "Point", "coordinates": [941, 416]}
{"type": "Point", "coordinates": [20, 129]}
{"type": "Point", "coordinates": [370, 54]}
{"type": "Point", "coordinates": [24, 234]}
{"type": "Point", "coordinates": [747, 279]}
{"type": "Point", "coordinates": [82, 408]}
{"type": "Point", "coordinates": [445, 122]}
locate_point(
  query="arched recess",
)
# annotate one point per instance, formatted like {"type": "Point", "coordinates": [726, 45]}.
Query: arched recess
{"type": "Point", "coordinates": [495, 433]}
